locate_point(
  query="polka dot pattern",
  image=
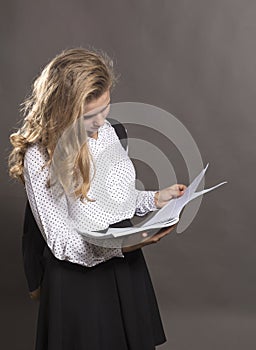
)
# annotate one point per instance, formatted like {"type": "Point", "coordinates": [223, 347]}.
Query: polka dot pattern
{"type": "Point", "coordinates": [60, 222]}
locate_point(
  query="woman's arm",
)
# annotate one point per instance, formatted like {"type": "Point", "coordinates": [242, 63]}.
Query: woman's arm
{"type": "Point", "coordinates": [53, 219]}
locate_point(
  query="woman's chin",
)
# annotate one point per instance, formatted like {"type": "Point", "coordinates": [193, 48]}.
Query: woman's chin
{"type": "Point", "coordinates": [92, 133]}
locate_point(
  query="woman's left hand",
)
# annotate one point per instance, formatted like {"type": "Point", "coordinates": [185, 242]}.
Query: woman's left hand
{"type": "Point", "coordinates": [164, 196]}
{"type": "Point", "coordinates": [35, 294]}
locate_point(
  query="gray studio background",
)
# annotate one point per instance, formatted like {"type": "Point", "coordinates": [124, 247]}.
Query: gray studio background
{"type": "Point", "coordinates": [195, 59]}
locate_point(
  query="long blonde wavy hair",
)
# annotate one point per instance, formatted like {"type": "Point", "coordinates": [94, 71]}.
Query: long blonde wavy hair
{"type": "Point", "coordinates": [59, 95]}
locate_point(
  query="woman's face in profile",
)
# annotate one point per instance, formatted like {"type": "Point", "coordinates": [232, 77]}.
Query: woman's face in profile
{"type": "Point", "coordinates": [95, 113]}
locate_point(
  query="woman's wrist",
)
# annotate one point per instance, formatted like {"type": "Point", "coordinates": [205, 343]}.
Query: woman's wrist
{"type": "Point", "coordinates": [156, 196]}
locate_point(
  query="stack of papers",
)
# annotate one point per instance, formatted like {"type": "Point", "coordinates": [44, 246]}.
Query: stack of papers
{"type": "Point", "coordinates": [167, 216]}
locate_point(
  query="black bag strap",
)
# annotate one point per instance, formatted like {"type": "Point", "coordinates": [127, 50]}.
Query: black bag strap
{"type": "Point", "coordinates": [120, 131]}
{"type": "Point", "coordinates": [33, 243]}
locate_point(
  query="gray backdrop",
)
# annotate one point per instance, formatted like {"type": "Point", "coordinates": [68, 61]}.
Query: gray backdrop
{"type": "Point", "coordinates": [195, 59]}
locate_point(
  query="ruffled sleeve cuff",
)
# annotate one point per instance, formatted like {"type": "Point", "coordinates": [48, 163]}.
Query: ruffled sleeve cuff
{"type": "Point", "coordinates": [145, 202]}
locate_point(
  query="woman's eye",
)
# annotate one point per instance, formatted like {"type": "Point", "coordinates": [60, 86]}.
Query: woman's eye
{"type": "Point", "coordinates": [104, 112]}
{"type": "Point", "coordinates": [87, 117]}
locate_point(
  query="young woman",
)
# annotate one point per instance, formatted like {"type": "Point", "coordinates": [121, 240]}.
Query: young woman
{"type": "Point", "coordinates": [91, 297]}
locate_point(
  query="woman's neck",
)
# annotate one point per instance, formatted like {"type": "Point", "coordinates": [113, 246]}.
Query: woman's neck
{"type": "Point", "coordinates": [94, 136]}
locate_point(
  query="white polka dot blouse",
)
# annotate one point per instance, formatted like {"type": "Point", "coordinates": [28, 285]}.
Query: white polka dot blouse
{"type": "Point", "coordinates": [113, 188]}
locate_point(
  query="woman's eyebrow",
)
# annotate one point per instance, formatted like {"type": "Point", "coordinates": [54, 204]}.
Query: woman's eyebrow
{"type": "Point", "coordinates": [91, 115]}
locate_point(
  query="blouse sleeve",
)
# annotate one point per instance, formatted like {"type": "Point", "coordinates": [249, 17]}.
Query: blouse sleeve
{"type": "Point", "coordinates": [145, 202]}
{"type": "Point", "coordinates": [52, 218]}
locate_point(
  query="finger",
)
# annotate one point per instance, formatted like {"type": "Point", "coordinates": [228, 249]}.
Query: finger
{"type": "Point", "coordinates": [160, 234]}
{"type": "Point", "coordinates": [164, 233]}
{"type": "Point", "coordinates": [158, 237]}
{"type": "Point", "coordinates": [169, 227]}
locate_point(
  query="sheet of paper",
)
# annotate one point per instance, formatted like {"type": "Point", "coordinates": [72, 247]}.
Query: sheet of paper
{"type": "Point", "coordinates": [117, 232]}
{"type": "Point", "coordinates": [175, 205]}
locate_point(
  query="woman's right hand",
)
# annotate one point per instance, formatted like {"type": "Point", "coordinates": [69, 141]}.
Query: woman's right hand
{"type": "Point", "coordinates": [153, 239]}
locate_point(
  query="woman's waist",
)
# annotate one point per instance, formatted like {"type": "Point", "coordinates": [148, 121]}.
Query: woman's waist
{"type": "Point", "coordinates": [122, 223]}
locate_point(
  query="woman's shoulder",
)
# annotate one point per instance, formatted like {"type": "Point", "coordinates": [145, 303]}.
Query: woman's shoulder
{"type": "Point", "coordinates": [35, 154]}
{"type": "Point", "coordinates": [35, 148]}
{"type": "Point", "coordinates": [107, 123]}
{"type": "Point", "coordinates": [115, 126]}
{"type": "Point", "coordinates": [108, 127]}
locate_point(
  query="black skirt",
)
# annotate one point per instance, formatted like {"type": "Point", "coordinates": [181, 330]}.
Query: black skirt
{"type": "Point", "coordinates": [110, 306]}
